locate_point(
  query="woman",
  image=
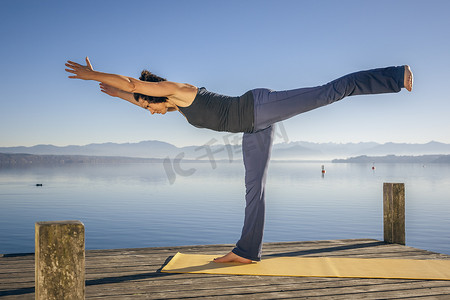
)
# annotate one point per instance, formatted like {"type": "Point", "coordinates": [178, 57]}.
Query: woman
{"type": "Point", "coordinates": [253, 113]}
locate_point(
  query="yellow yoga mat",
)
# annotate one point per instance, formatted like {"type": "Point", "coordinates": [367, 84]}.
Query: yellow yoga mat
{"type": "Point", "coordinates": [315, 267]}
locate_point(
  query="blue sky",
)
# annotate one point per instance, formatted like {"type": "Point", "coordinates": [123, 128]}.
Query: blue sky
{"type": "Point", "coordinates": [229, 47]}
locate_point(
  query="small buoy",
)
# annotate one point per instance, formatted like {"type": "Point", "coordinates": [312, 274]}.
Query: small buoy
{"type": "Point", "coordinates": [323, 169]}
{"type": "Point", "coordinates": [38, 184]}
{"type": "Point", "coordinates": [373, 168]}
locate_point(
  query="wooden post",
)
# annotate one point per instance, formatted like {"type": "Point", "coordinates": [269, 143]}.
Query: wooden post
{"type": "Point", "coordinates": [394, 213]}
{"type": "Point", "coordinates": [59, 260]}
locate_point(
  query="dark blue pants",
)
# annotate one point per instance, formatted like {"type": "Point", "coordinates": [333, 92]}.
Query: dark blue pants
{"type": "Point", "coordinates": [275, 106]}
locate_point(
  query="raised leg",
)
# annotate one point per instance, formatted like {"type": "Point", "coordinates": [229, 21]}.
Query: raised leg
{"type": "Point", "coordinates": [275, 106]}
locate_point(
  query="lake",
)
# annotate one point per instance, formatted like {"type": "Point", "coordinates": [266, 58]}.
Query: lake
{"type": "Point", "coordinates": [149, 204]}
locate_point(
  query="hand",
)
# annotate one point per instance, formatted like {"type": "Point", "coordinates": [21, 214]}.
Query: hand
{"type": "Point", "coordinates": [109, 90]}
{"type": "Point", "coordinates": [81, 72]}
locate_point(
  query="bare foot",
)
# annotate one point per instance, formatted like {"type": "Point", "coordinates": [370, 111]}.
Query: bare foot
{"type": "Point", "coordinates": [231, 257]}
{"type": "Point", "coordinates": [408, 80]}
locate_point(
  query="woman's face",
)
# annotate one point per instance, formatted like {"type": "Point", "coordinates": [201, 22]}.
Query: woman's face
{"type": "Point", "coordinates": [158, 108]}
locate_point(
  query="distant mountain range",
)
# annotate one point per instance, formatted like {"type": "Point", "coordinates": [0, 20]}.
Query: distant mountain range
{"type": "Point", "coordinates": [282, 151]}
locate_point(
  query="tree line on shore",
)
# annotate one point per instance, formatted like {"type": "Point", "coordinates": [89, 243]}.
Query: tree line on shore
{"type": "Point", "coordinates": [423, 159]}
{"type": "Point", "coordinates": [21, 160]}
{"type": "Point", "coordinates": [24, 160]}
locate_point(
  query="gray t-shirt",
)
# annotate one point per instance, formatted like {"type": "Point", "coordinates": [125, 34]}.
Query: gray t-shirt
{"type": "Point", "coordinates": [221, 113]}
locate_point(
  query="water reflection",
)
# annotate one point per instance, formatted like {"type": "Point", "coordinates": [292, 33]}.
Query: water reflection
{"type": "Point", "coordinates": [134, 205]}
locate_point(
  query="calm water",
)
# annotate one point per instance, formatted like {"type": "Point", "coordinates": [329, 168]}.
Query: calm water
{"type": "Point", "coordinates": [134, 205]}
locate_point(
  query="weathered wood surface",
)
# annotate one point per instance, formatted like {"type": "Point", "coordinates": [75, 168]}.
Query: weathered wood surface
{"type": "Point", "coordinates": [394, 213]}
{"type": "Point", "coordinates": [133, 274]}
{"type": "Point", "coordinates": [59, 260]}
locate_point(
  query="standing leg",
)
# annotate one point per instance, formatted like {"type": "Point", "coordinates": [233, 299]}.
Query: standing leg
{"type": "Point", "coordinates": [275, 106]}
{"type": "Point", "coordinates": [256, 148]}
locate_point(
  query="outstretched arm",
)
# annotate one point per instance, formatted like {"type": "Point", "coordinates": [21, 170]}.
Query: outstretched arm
{"type": "Point", "coordinates": [115, 92]}
{"type": "Point", "coordinates": [123, 83]}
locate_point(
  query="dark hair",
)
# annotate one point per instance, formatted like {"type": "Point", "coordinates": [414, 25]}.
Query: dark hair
{"type": "Point", "coordinates": [148, 76]}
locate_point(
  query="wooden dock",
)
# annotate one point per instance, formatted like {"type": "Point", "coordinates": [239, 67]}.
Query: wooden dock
{"type": "Point", "coordinates": [134, 274]}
